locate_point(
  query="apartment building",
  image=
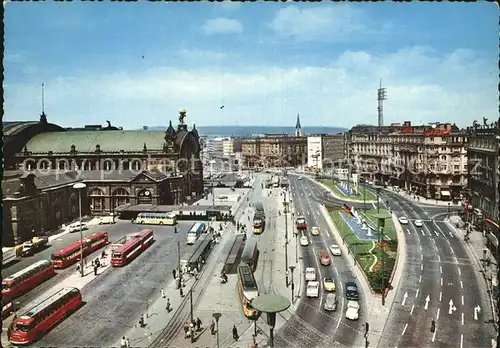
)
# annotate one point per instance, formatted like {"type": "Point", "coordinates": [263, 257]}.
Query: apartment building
{"type": "Point", "coordinates": [274, 150]}
{"type": "Point", "coordinates": [427, 160]}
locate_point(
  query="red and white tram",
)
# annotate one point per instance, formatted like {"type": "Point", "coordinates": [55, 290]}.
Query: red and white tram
{"type": "Point", "coordinates": [71, 254]}
{"type": "Point", "coordinates": [132, 248]}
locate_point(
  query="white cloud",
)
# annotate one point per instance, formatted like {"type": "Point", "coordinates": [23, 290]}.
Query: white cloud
{"type": "Point", "coordinates": [339, 22]}
{"type": "Point", "coordinates": [222, 25]}
{"type": "Point", "coordinates": [421, 85]}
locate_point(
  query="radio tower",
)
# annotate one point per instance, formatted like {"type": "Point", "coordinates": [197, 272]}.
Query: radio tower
{"type": "Point", "coordinates": [381, 96]}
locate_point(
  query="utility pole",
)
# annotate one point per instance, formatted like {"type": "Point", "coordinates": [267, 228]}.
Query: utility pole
{"type": "Point", "coordinates": [286, 237]}
{"type": "Point", "coordinates": [364, 196]}
{"type": "Point", "coordinates": [367, 328]}
{"type": "Point", "coordinates": [179, 283]}
{"type": "Point", "coordinates": [191, 315]}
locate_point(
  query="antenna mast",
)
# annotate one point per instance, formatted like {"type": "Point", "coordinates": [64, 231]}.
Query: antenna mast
{"type": "Point", "coordinates": [381, 96]}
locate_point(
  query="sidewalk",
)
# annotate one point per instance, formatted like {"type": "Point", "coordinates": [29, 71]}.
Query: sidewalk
{"type": "Point", "coordinates": [476, 247]}
{"type": "Point", "coordinates": [378, 313]}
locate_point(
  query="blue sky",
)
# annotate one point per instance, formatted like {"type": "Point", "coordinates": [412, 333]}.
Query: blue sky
{"type": "Point", "coordinates": [136, 64]}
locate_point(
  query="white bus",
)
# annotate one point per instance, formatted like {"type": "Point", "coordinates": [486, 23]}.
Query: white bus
{"type": "Point", "coordinates": [156, 219]}
{"type": "Point", "coordinates": [195, 232]}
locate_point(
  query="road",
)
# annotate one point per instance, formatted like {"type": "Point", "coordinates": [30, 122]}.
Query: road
{"type": "Point", "coordinates": [311, 309]}
{"type": "Point", "coordinates": [114, 301]}
{"type": "Point", "coordinates": [441, 282]}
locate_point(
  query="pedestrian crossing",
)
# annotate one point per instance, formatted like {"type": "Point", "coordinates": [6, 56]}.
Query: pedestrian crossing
{"type": "Point", "coordinates": [429, 232]}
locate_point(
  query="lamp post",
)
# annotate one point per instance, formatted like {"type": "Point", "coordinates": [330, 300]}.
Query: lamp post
{"type": "Point", "coordinates": [80, 186]}
{"type": "Point", "coordinates": [291, 281]}
{"type": "Point", "coordinates": [378, 199]}
{"type": "Point", "coordinates": [449, 209]}
{"type": "Point", "coordinates": [296, 233]}
{"type": "Point", "coordinates": [217, 317]}
{"type": "Point", "coordinates": [364, 196]}
{"type": "Point", "coordinates": [285, 204]}
{"type": "Point", "coordinates": [271, 304]}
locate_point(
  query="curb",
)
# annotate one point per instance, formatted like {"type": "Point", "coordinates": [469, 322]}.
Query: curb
{"type": "Point", "coordinates": [405, 196]}
{"type": "Point", "coordinates": [340, 198]}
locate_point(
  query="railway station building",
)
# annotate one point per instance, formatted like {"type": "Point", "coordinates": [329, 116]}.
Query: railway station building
{"type": "Point", "coordinates": [43, 161]}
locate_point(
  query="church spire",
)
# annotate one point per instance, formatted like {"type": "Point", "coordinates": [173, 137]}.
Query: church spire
{"type": "Point", "coordinates": [298, 128]}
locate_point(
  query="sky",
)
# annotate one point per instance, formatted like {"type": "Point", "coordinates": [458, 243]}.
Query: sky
{"type": "Point", "coordinates": [137, 64]}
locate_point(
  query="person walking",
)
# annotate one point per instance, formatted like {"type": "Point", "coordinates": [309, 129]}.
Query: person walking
{"type": "Point", "coordinates": [174, 273]}
{"type": "Point", "coordinates": [212, 327]}
{"type": "Point", "coordinates": [198, 324]}
{"type": "Point", "coordinates": [235, 333]}
{"type": "Point", "coordinates": [168, 305]}
{"type": "Point", "coordinates": [123, 343]}
{"type": "Point", "coordinates": [127, 341]}
{"type": "Point", "coordinates": [186, 330]}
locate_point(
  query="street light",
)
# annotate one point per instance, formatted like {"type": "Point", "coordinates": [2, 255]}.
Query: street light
{"type": "Point", "coordinates": [80, 186]}
{"type": "Point", "coordinates": [286, 236]}
{"type": "Point", "coordinates": [217, 317]}
{"type": "Point", "coordinates": [292, 283]}
{"type": "Point", "coordinates": [449, 209]}
{"type": "Point", "coordinates": [296, 233]}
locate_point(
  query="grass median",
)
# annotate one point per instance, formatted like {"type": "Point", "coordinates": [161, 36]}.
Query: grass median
{"type": "Point", "coordinates": [369, 195]}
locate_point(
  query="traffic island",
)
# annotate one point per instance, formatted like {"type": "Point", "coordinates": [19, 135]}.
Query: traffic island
{"type": "Point", "coordinates": [374, 252]}
{"type": "Point", "coordinates": [348, 192]}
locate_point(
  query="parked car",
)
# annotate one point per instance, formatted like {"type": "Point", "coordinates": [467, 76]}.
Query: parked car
{"type": "Point", "coordinates": [335, 250]}
{"type": "Point", "coordinates": [351, 291]}
{"type": "Point", "coordinates": [352, 312]}
{"type": "Point", "coordinates": [314, 231]}
{"type": "Point", "coordinates": [403, 220]}
{"type": "Point", "coordinates": [330, 302]}
{"type": "Point", "coordinates": [329, 284]}
{"type": "Point", "coordinates": [419, 223]}
{"type": "Point", "coordinates": [312, 289]}
{"type": "Point", "coordinates": [77, 226]}
{"type": "Point", "coordinates": [310, 274]}
{"type": "Point", "coordinates": [324, 258]}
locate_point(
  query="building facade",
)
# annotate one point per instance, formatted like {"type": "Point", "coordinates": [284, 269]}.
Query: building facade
{"type": "Point", "coordinates": [119, 167]}
{"type": "Point", "coordinates": [334, 150]}
{"type": "Point", "coordinates": [428, 160]}
{"type": "Point", "coordinates": [315, 152]}
{"type": "Point", "coordinates": [274, 150]}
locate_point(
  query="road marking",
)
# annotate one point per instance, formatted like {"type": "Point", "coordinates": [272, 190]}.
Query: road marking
{"type": "Point", "coordinates": [437, 234]}
{"type": "Point", "coordinates": [462, 300]}
{"type": "Point", "coordinates": [434, 335]}
{"type": "Point", "coordinates": [440, 296]}
{"type": "Point", "coordinates": [404, 330]}
{"type": "Point", "coordinates": [412, 308]}
{"type": "Point", "coordinates": [451, 234]}
{"type": "Point", "coordinates": [335, 269]}
{"type": "Point", "coordinates": [441, 281]}
{"type": "Point", "coordinates": [439, 259]}
{"type": "Point", "coordinates": [437, 315]}
{"type": "Point", "coordinates": [416, 295]}
{"type": "Point", "coordinates": [423, 233]}
{"type": "Point", "coordinates": [462, 318]}
{"type": "Point", "coordinates": [461, 285]}
{"type": "Point", "coordinates": [420, 246]}
{"type": "Point", "coordinates": [338, 323]}
{"type": "Point", "coordinates": [422, 267]}
{"type": "Point", "coordinates": [421, 257]}
{"type": "Point", "coordinates": [459, 271]}
{"type": "Point", "coordinates": [407, 230]}
{"type": "Point", "coordinates": [461, 341]}
{"type": "Point", "coordinates": [441, 269]}
{"type": "Point", "coordinates": [420, 279]}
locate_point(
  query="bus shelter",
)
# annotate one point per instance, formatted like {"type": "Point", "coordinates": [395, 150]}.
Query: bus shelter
{"type": "Point", "coordinates": [201, 253]}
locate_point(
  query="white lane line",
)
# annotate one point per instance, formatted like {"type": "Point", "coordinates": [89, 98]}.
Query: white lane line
{"type": "Point", "coordinates": [434, 335]}
{"type": "Point", "coordinates": [437, 234]}
{"type": "Point", "coordinates": [441, 269]}
{"type": "Point", "coordinates": [441, 281]}
{"type": "Point", "coordinates": [461, 285]}
{"type": "Point", "coordinates": [412, 308]}
{"type": "Point", "coordinates": [422, 267]}
{"type": "Point", "coordinates": [461, 341]}
{"type": "Point", "coordinates": [407, 230]}
{"type": "Point", "coordinates": [440, 296]}
{"type": "Point", "coordinates": [420, 247]}
{"type": "Point", "coordinates": [451, 234]}
{"type": "Point", "coordinates": [462, 300]}
{"type": "Point", "coordinates": [462, 318]}
{"type": "Point", "coordinates": [439, 258]}
{"type": "Point", "coordinates": [404, 330]}
{"type": "Point", "coordinates": [423, 233]}
{"type": "Point", "coordinates": [338, 323]}
{"type": "Point", "coordinates": [437, 315]}
{"type": "Point", "coordinates": [317, 213]}
{"type": "Point", "coordinates": [421, 257]}
{"type": "Point", "coordinates": [459, 271]}
{"type": "Point", "coordinates": [335, 269]}
{"type": "Point", "coordinates": [420, 279]}
{"type": "Point", "coordinates": [416, 294]}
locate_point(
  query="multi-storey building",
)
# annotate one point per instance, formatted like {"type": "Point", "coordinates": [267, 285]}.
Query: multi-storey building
{"type": "Point", "coordinates": [483, 183]}
{"type": "Point", "coordinates": [428, 160]}
{"type": "Point", "coordinates": [227, 147]}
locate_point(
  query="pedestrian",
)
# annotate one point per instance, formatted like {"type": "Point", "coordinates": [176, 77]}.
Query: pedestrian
{"type": "Point", "coordinates": [95, 270]}
{"type": "Point", "coordinates": [127, 340]}
{"type": "Point", "coordinates": [235, 333]}
{"type": "Point", "coordinates": [168, 305]}
{"type": "Point", "coordinates": [186, 330]}
{"type": "Point", "coordinates": [123, 343]}
{"type": "Point", "coordinates": [162, 293]}
{"type": "Point", "coordinates": [191, 327]}
{"type": "Point", "coordinates": [141, 321]}
{"type": "Point", "coordinates": [212, 327]}
{"type": "Point", "coordinates": [175, 229]}
{"type": "Point", "coordinates": [78, 268]}
{"type": "Point", "coordinates": [198, 324]}
{"type": "Point", "coordinates": [174, 273]}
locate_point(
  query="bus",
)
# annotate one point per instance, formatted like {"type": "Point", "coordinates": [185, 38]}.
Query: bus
{"type": "Point", "coordinates": [259, 222]}
{"type": "Point", "coordinates": [194, 233]}
{"type": "Point", "coordinates": [248, 290]}
{"type": "Point", "coordinates": [26, 279]}
{"type": "Point", "coordinates": [7, 308]}
{"type": "Point", "coordinates": [168, 219]}
{"type": "Point", "coordinates": [133, 247]}
{"type": "Point", "coordinates": [71, 254]}
{"type": "Point", "coordinates": [250, 254]}
{"type": "Point", "coordinates": [42, 315]}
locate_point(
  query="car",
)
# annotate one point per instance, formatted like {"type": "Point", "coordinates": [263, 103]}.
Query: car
{"type": "Point", "coordinates": [77, 226]}
{"type": "Point", "coordinates": [329, 284]}
{"type": "Point", "coordinates": [419, 223]}
{"type": "Point", "coordinates": [300, 178]}
{"type": "Point", "coordinates": [314, 231]}
{"type": "Point", "coordinates": [324, 258]}
{"type": "Point", "coordinates": [351, 291]}
{"type": "Point", "coordinates": [312, 289]}
{"type": "Point", "coordinates": [301, 223]}
{"type": "Point", "coordinates": [352, 312]}
{"type": "Point", "coordinates": [304, 241]}
{"type": "Point", "coordinates": [335, 250]}
{"type": "Point", "coordinates": [330, 302]}
{"type": "Point", "coordinates": [403, 220]}
{"type": "Point", "coordinates": [310, 274]}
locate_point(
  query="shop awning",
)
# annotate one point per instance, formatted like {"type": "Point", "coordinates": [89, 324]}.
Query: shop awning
{"type": "Point", "coordinates": [445, 193]}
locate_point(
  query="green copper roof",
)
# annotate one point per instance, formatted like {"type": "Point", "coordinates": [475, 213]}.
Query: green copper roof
{"type": "Point", "coordinates": [86, 141]}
